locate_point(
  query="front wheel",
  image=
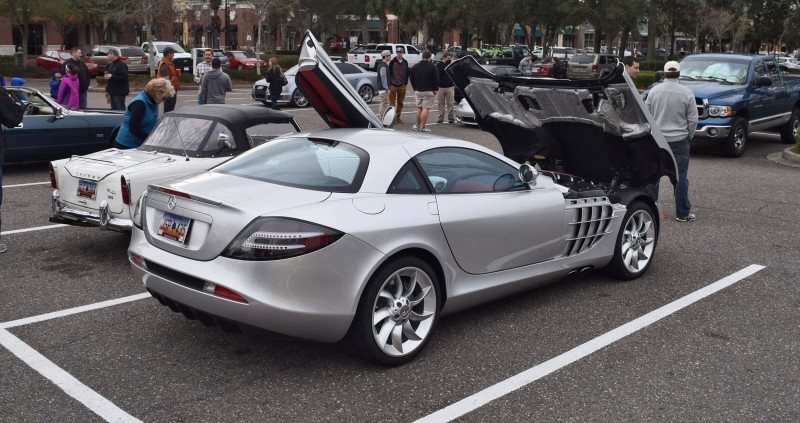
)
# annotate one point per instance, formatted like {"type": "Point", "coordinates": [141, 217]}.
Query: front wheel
{"type": "Point", "coordinates": [737, 139]}
{"type": "Point", "coordinates": [367, 93]}
{"type": "Point", "coordinates": [298, 100]}
{"type": "Point", "coordinates": [240, 67]}
{"type": "Point", "coordinates": [636, 243]}
{"type": "Point", "coordinates": [789, 130]}
{"type": "Point", "coordinates": [397, 312]}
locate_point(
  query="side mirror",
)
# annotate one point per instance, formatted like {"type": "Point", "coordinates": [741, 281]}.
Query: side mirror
{"type": "Point", "coordinates": [223, 141]}
{"type": "Point", "coordinates": [388, 117]}
{"type": "Point", "coordinates": [764, 81]}
{"type": "Point", "coordinates": [528, 174]}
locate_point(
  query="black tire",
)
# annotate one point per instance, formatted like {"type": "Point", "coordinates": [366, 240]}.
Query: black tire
{"type": "Point", "coordinates": [367, 93]}
{"type": "Point", "coordinates": [737, 140]}
{"type": "Point", "coordinates": [404, 316]}
{"type": "Point", "coordinates": [298, 100]}
{"type": "Point", "coordinates": [789, 129]}
{"type": "Point", "coordinates": [636, 242]}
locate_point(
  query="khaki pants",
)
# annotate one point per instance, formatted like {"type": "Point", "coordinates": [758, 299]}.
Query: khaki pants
{"type": "Point", "coordinates": [397, 94]}
{"type": "Point", "coordinates": [445, 99]}
{"type": "Point", "coordinates": [384, 103]}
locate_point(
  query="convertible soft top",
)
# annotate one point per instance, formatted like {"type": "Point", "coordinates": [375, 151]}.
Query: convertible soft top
{"type": "Point", "coordinates": [233, 114]}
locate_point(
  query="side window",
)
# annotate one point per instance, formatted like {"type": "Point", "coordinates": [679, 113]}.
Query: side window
{"type": "Point", "coordinates": [220, 137]}
{"type": "Point", "coordinates": [259, 134]}
{"type": "Point", "coordinates": [411, 50]}
{"type": "Point", "coordinates": [408, 181]}
{"type": "Point", "coordinates": [462, 171]}
{"type": "Point", "coordinates": [602, 60]}
{"type": "Point", "coordinates": [773, 72]}
{"type": "Point", "coordinates": [761, 69]}
{"type": "Point", "coordinates": [383, 47]}
{"type": "Point", "coordinates": [346, 68]}
{"type": "Point", "coordinates": [146, 48]}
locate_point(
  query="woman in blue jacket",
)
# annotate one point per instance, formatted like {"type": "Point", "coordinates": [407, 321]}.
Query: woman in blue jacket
{"type": "Point", "coordinates": [142, 113]}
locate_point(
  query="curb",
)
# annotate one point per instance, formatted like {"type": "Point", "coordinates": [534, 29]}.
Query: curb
{"type": "Point", "coordinates": [786, 157]}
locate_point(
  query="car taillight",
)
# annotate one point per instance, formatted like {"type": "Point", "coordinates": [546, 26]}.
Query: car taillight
{"type": "Point", "coordinates": [273, 238]}
{"type": "Point", "coordinates": [594, 68]}
{"type": "Point", "coordinates": [366, 57]}
{"type": "Point", "coordinates": [144, 58]}
{"type": "Point", "coordinates": [124, 58]}
{"type": "Point", "coordinates": [125, 191]}
{"type": "Point", "coordinates": [53, 182]}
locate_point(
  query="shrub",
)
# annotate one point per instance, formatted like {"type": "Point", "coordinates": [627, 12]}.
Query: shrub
{"type": "Point", "coordinates": [797, 144]}
{"type": "Point", "coordinates": [644, 79]}
{"type": "Point", "coordinates": [25, 72]}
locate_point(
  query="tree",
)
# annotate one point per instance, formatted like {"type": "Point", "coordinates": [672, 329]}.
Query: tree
{"type": "Point", "coordinates": [21, 12]}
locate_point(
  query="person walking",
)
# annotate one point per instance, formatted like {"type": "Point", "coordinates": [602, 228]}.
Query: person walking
{"type": "Point", "coordinates": [118, 84]}
{"type": "Point", "coordinates": [166, 69]}
{"type": "Point", "coordinates": [675, 112]}
{"type": "Point", "coordinates": [631, 66]}
{"type": "Point", "coordinates": [276, 81]}
{"type": "Point", "coordinates": [83, 75]}
{"type": "Point", "coordinates": [55, 82]}
{"type": "Point", "coordinates": [10, 116]}
{"type": "Point", "coordinates": [446, 97]}
{"type": "Point", "coordinates": [142, 113]}
{"type": "Point", "coordinates": [383, 81]}
{"type": "Point", "coordinates": [398, 80]}
{"type": "Point", "coordinates": [425, 82]}
{"type": "Point", "coordinates": [201, 70]}
{"type": "Point", "coordinates": [69, 89]}
{"type": "Point", "coordinates": [526, 65]}
{"type": "Point", "coordinates": [215, 84]}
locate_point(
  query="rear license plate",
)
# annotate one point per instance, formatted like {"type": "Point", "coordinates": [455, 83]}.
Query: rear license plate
{"type": "Point", "coordinates": [87, 189]}
{"type": "Point", "coordinates": [174, 227]}
{"type": "Point", "coordinates": [186, 69]}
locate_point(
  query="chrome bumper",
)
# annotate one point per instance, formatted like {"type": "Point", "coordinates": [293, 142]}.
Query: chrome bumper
{"type": "Point", "coordinates": [715, 132]}
{"type": "Point", "coordinates": [62, 213]}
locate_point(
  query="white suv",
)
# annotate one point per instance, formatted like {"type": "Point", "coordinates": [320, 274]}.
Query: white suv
{"type": "Point", "coordinates": [182, 59]}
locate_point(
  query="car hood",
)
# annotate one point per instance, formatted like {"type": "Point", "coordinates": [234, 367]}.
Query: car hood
{"type": "Point", "coordinates": [597, 129]}
{"type": "Point", "coordinates": [327, 90]}
{"type": "Point", "coordinates": [97, 166]}
{"type": "Point", "coordinates": [707, 89]}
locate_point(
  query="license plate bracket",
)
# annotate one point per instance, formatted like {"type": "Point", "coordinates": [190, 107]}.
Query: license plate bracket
{"type": "Point", "coordinates": [174, 227]}
{"type": "Point", "coordinates": [87, 189]}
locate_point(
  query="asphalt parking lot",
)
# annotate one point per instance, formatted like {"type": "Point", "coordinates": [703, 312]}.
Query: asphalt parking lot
{"type": "Point", "coordinates": [710, 333]}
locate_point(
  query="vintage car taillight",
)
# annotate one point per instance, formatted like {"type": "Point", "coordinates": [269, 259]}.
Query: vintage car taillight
{"type": "Point", "coordinates": [272, 238]}
{"type": "Point", "coordinates": [125, 191]}
{"type": "Point", "coordinates": [53, 182]}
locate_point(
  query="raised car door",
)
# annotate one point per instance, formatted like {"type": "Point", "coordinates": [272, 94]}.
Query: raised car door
{"type": "Point", "coordinates": [492, 221]}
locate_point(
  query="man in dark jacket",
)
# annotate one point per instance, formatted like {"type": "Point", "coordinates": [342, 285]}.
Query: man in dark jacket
{"type": "Point", "coordinates": [117, 85]}
{"type": "Point", "coordinates": [425, 81]}
{"type": "Point", "coordinates": [215, 84]}
{"type": "Point", "coordinates": [398, 80]}
{"type": "Point", "coordinates": [445, 98]}
{"type": "Point", "coordinates": [83, 75]}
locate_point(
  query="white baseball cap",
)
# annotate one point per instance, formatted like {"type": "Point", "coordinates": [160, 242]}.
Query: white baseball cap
{"type": "Point", "coordinates": [672, 66]}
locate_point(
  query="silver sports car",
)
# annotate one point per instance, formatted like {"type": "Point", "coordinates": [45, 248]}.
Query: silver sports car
{"type": "Point", "coordinates": [372, 234]}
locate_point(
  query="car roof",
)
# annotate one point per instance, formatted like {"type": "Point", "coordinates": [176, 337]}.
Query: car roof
{"type": "Point", "coordinates": [233, 114]}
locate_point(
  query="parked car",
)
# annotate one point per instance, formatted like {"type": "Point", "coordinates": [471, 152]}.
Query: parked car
{"type": "Point", "coordinates": [373, 235]}
{"type": "Point", "coordinates": [511, 56]}
{"type": "Point", "coordinates": [52, 131]}
{"type": "Point", "coordinates": [591, 66]}
{"type": "Point", "coordinates": [356, 54]}
{"type": "Point", "coordinates": [181, 59]}
{"type": "Point", "coordinates": [54, 59]}
{"type": "Point", "coordinates": [101, 189]}
{"type": "Point", "coordinates": [239, 60]}
{"type": "Point", "coordinates": [789, 62]}
{"type": "Point", "coordinates": [365, 82]}
{"type": "Point", "coordinates": [370, 58]}
{"type": "Point", "coordinates": [220, 54]}
{"type": "Point", "coordinates": [565, 53]}
{"type": "Point", "coordinates": [542, 68]}
{"type": "Point", "coordinates": [737, 94]}
{"type": "Point", "coordinates": [133, 56]}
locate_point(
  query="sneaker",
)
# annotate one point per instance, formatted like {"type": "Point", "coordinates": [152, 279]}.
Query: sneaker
{"type": "Point", "coordinates": [415, 127]}
{"type": "Point", "coordinates": [424, 129]}
{"type": "Point", "coordinates": [3, 248]}
{"type": "Point", "coordinates": [439, 122]}
{"type": "Point", "coordinates": [451, 122]}
{"type": "Point", "coordinates": [688, 218]}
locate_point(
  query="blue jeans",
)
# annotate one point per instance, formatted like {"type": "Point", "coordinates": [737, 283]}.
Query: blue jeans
{"type": "Point", "coordinates": [680, 149]}
{"type": "Point", "coordinates": [82, 99]}
{"type": "Point", "coordinates": [201, 99]}
{"type": "Point", "coordinates": [169, 104]}
{"type": "Point", "coordinates": [117, 102]}
{"type": "Point", "coordinates": [274, 99]}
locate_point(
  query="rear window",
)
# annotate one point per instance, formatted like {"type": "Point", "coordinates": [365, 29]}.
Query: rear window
{"type": "Point", "coordinates": [178, 134]}
{"type": "Point", "coordinates": [131, 51]}
{"type": "Point", "coordinates": [308, 163]}
{"type": "Point", "coordinates": [583, 58]}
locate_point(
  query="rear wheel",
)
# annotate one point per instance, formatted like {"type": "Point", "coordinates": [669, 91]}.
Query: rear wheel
{"type": "Point", "coordinates": [397, 312]}
{"type": "Point", "coordinates": [737, 139]}
{"type": "Point", "coordinates": [636, 242]}
{"type": "Point", "coordinates": [367, 93]}
{"type": "Point", "coordinates": [298, 100]}
{"type": "Point", "coordinates": [789, 130]}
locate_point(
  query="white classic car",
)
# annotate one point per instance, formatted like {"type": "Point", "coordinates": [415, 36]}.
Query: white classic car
{"type": "Point", "coordinates": [97, 189]}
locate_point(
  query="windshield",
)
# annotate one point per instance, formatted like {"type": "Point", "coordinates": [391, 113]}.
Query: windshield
{"type": "Point", "coordinates": [583, 58]}
{"type": "Point", "coordinates": [307, 163]}
{"type": "Point", "coordinates": [132, 51]}
{"type": "Point", "coordinates": [240, 55]}
{"type": "Point", "coordinates": [729, 70]}
{"type": "Point", "coordinates": [64, 55]}
{"type": "Point", "coordinates": [177, 133]}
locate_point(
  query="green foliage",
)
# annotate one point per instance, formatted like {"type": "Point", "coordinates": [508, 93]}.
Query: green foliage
{"type": "Point", "coordinates": [644, 79]}
{"type": "Point", "coordinates": [652, 65]}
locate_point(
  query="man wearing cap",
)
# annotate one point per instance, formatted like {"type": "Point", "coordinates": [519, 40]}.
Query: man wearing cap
{"type": "Point", "coordinates": [383, 81]}
{"type": "Point", "coordinates": [398, 79]}
{"type": "Point", "coordinates": [117, 81]}
{"type": "Point", "coordinates": [675, 112]}
{"type": "Point", "coordinates": [215, 84]}
{"type": "Point", "coordinates": [166, 70]}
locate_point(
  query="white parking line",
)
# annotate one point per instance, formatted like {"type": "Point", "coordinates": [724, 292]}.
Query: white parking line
{"type": "Point", "coordinates": [38, 228]}
{"type": "Point", "coordinates": [25, 185]}
{"type": "Point", "coordinates": [533, 374]}
{"type": "Point", "coordinates": [71, 311]}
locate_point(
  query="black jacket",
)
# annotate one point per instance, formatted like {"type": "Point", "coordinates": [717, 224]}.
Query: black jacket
{"type": "Point", "coordinates": [275, 81]}
{"type": "Point", "coordinates": [83, 73]}
{"type": "Point", "coordinates": [444, 78]}
{"type": "Point", "coordinates": [425, 76]}
{"type": "Point", "coordinates": [402, 74]}
{"type": "Point", "coordinates": [118, 84]}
